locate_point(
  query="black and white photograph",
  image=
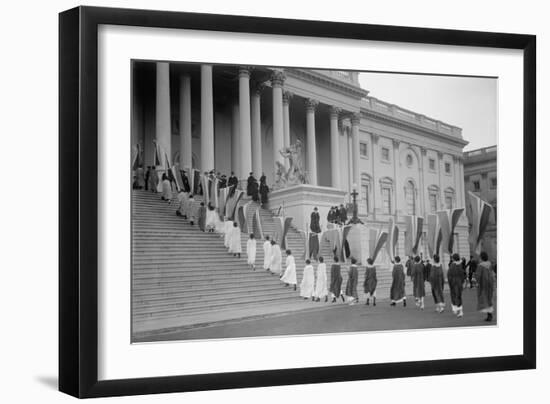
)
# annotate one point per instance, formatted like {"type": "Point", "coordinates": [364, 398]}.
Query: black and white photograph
{"type": "Point", "coordinates": [281, 201]}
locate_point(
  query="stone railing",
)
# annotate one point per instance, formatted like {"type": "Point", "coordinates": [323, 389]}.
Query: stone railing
{"type": "Point", "coordinates": [480, 152]}
{"type": "Point", "coordinates": [349, 77]}
{"type": "Point", "coordinates": [386, 108]}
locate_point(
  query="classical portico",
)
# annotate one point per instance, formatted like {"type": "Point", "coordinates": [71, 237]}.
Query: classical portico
{"type": "Point", "coordinates": [238, 118]}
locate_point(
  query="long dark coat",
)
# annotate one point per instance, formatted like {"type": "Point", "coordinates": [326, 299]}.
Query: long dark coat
{"type": "Point", "coordinates": [397, 290]}
{"type": "Point", "coordinates": [486, 285]}
{"type": "Point", "coordinates": [437, 281]}
{"type": "Point", "coordinates": [455, 277]}
{"type": "Point", "coordinates": [335, 280]}
{"type": "Point", "coordinates": [351, 286]}
{"type": "Point", "coordinates": [370, 280]}
{"type": "Point", "coordinates": [314, 225]}
{"type": "Point", "coordinates": [417, 275]}
{"type": "Point", "coordinates": [202, 218]}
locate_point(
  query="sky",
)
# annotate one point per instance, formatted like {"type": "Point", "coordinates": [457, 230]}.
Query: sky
{"type": "Point", "coordinates": [466, 102]}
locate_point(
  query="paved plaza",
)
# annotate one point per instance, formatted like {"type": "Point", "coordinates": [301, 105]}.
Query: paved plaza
{"type": "Point", "coordinates": [341, 318]}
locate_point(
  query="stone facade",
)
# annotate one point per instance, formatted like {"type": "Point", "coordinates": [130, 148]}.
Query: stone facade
{"type": "Point", "coordinates": [480, 177]}
{"type": "Point", "coordinates": [237, 118]}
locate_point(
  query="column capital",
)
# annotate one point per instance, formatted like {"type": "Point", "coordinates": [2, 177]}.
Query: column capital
{"type": "Point", "coordinates": [355, 118]}
{"type": "Point", "coordinates": [460, 159]}
{"type": "Point", "coordinates": [334, 112]}
{"type": "Point", "coordinates": [484, 176]}
{"type": "Point", "coordinates": [244, 71]}
{"type": "Point", "coordinates": [455, 159]}
{"type": "Point", "coordinates": [439, 155]}
{"type": "Point", "coordinates": [311, 104]}
{"type": "Point", "coordinates": [257, 89]}
{"type": "Point", "coordinates": [375, 137]}
{"type": "Point", "coordinates": [396, 143]}
{"type": "Point", "coordinates": [287, 96]}
{"type": "Point", "coordinates": [423, 150]}
{"type": "Point", "coordinates": [278, 78]}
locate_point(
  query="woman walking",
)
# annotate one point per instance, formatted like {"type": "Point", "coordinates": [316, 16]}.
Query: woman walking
{"type": "Point", "coordinates": [437, 281]}
{"type": "Point", "coordinates": [417, 276]}
{"type": "Point", "coordinates": [321, 281]}
{"type": "Point", "coordinates": [397, 291]}
{"type": "Point", "coordinates": [455, 277]}
{"type": "Point", "coordinates": [308, 281]}
{"type": "Point", "coordinates": [289, 277]}
{"type": "Point", "coordinates": [251, 252]}
{"type": "Point", "coordinates": [370, 282]}
{"type": "Point", "coordinates": [351, 286]}
{"type": "Point", "coordinates": [486, 286]}
{"type": "Point", "coordinates": [336, 281]}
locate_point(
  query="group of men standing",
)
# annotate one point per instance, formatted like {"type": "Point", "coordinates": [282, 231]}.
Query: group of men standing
{"type": "Point", "coordinates": [337, 215]}
{"type": "Point", "coordinates": [258, 192]}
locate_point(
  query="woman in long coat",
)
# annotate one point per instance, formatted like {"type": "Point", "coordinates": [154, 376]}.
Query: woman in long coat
{"type": "Point", "coordinates": [417, 276]}
{"type": "Point", "coordinates": [289, 277]}
{"type": "Point", "coordinates": [486, 286]}
{"type": "Point", "coordinates": [370, 282]}
{"type": "Point", "coordinates": [455, 277]}
{"type": "Point", "coordinates": [397, 290]}
{"type": "Point", "coordinates": [264, 190]}
{"type": "Point", "coordinates": [276, 258]}
{"type": "Point", "coordinates": [351, 286]}
{"type": "Point", "coordinates": [321, 281]}
{"type": "Point", "coordinates": [437, 282]}
{"type": "Point", "coordinates": [202, 217]}
{"type": "Point", "coordinates": [307, 286]}
{"type": "Point", "coordinates": [336, 281]}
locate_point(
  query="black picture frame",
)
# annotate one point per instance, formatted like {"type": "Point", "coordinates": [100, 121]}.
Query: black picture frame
{"type": "Point", "coordinates": [78, 201]}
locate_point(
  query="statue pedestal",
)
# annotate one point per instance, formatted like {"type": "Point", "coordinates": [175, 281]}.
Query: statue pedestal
{"type": "Point", "coordinates": [298, 202]}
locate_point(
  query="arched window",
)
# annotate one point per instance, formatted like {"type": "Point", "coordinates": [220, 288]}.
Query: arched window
{"type": "Point", "coordinates": [386, 187]}
{"type": "Point", "coordinates": [410, 199]}
{"type": "Point", "coordinates": [449, 198]}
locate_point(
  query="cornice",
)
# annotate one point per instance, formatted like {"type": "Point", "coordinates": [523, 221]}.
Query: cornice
{"type": "Point", "coordinates": [328, 82]}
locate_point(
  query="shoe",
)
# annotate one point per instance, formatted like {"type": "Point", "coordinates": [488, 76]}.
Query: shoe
{"type": "Point", "coordinates": [405, 303]}
{"type": "Point", "coordinates": [333, 300]}
{"type": "Point", "coordinates": [326, 299]}
{"type": "Point", "coordinates": [374, 301]}
{"type": "Point", "coordinates": [392, 304]}
{"type": "Point", "coordinates": [367, 302]}
{"type": "Point", "coordinates": [343, 298]}
{"type": "Point", "coordinates": [286, 285]}
{"type": "Point", "coordinates": [294, 287]}
{"type": "Point", "coordinates": [489, 317]}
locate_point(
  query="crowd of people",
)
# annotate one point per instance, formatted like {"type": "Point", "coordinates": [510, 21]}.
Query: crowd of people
{"type": "Point", "coordinates": [315, 284]}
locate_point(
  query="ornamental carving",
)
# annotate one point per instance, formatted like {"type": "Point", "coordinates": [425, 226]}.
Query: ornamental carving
{"type": "Point", "coordinates": [396, 143]}
{"type": "Point", "coordinates": [311, 104]}
{"type": "Point", "coordinates": [244, 71]}
{"type": "Point", "coordinates": [278, 78]}
{"type": "Point", "coordinates": [287, 96]}
{"type": "Point", "coordinates": [258, 88]}
{"type": "Point", "coordinates": [334, 112]}
{"type": "Point", "coordinates": [295, 173]}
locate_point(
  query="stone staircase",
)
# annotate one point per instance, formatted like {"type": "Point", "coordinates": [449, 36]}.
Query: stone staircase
{"type": "Point", "coordinates": [180, 272]}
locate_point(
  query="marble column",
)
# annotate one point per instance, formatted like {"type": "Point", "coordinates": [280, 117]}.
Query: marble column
{"type": "Point", "coordinates": [440, 168]}
{"type": "Point", "coordinates": [286, 121]}
{"type": "Point", "coordinates": [462, 182]}
{"type": "Point", "coordinates": [334, 147]}
{"type": "Point", "coordinates": [424, 211]}
{"type": "Point", "coordinates": [186, 142]}
{"type": "Point", "coordinates": [355, 120]}
{"type": "Point", "coordinates": [207, 119]}
{"type": "Point", "coordinates": [456, 182]}
{"type": "Point", "coordinates": [235, 140]}
{"type": "Point", "coordinates": [397, 182]}
{"type": "Point", "coordinates": [375, 160]}
{"type": "Point", "coordinates": [244, 115]}
{"type": "Point", "coordinates": [311, 142]}
{"type": "Point", "coordinates": [277, 81]}
{"type": "Point", "coordinates": [256, 130]}
{"type": "Point", "coordinates": [162, 114]}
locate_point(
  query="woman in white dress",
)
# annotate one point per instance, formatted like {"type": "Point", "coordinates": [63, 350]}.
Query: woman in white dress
{"type": "Point", "coordinates": [166, 189]}
{"type": "Point", "coordinates": [276, 258]}
{"type": "Point", "coordinates": [227, 230]}
{"type": "Point", "coordinates": [308, 281]}
{"type": "Point", "coordinates": [235, 246]}
{"type": "Point", "coordinates": [251, 251]}
{"type": "Point", "coordinates": [267, 253]}
{"type": "Point", "coordinates": [321, 282]}
{"type": "Point", "coordinates": [289, 277]}
{"type": "Point", "coordinates": [211, 219]}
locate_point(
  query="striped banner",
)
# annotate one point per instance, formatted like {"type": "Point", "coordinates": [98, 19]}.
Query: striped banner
{"type": "Point", "coordinates": [481, 215]}
{"type": "Point", "coordinates": [136, 161]}
{"type": "Point", "coordinates": [177, 177]}
{"type": "Point", "coordinates": [205, 188]}
{"type": "Point", "coordinates": [222, 201]}
{"type": "Point", "coordinates": [393, 237]}
{"type": "Point", "coordinates": [447, 223]}
{"type": "Point", "coordinates": [157, 160]}
{"type": "Point", "coordinates": [231, 205]}
{"type": "Point", "coordinates": [413, 226]}
{"type": "Point", "coordinates": [257, 225]}
{"type": "Point", "coordinates": [214, 195]}
{"type": "Point", "coordinates": [343, 250]}
{"type": "Point", "coordinates": [282, 225]}
{"type": "Point", "coordinates": [244, 221]}
{"type": "Point", "coordinates": [434, 236]}
{"type": "Point", "coordinates": [305, 235]}
{"type": "Point", "coordinates": [376, 242]}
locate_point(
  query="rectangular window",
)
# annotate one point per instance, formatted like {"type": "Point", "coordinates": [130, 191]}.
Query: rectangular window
{"type": "Point", "coordinates": [432, 164]}
{"type": "Point", "coordinates": [385, 154]}
{"type": "Point", "coordinates": [363, 149]}
{"type": "Point", "coordinates": [386, 201]}
{"type": "Point", "coordinates": [433, 202]}
{"type": "Point", "coordinates": [476, 186]}
{"type": "Point", "coordinates": [448, 168]}
{"type": "Point", "coordinates": [493, 183]}
{"type": "Point", "coordinates": [365, 195]}
{"type": "Point", "coordinates": [409, 199]}
{"type": "Point", "coordinates": [449, 202]}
